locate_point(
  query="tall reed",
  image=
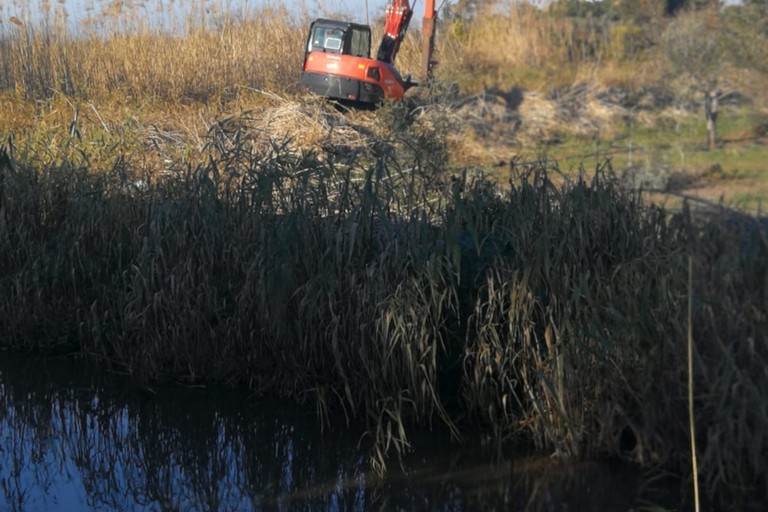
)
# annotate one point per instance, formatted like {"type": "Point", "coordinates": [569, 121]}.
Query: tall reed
{"type": "Point", "coordinates": [208, 52]}
{"type": "Point", "coordinates": [517, 43]}
{"type": "Point", "coordinates": [389, 293]}
{"type": "Point", "coordinates": [195, 58]}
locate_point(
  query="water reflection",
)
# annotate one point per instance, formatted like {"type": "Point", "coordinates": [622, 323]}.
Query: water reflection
{"type": "Point", "coordinates": [71, 439]}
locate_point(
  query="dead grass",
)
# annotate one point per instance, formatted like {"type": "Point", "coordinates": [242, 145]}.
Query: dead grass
{"type": "Point", "coordinates": [206, 62]}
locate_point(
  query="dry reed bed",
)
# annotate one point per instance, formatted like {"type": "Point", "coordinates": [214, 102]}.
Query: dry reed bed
{"type": "Point", "coordinates": [206, 58]}
{"type": "Point", "coordinates": [204, 62]}
{"type": "Point", "coordinates": [389, 293]}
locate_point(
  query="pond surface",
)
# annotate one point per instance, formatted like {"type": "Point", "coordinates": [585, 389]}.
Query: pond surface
{"type": "Point", "coordinates": [72, 438]}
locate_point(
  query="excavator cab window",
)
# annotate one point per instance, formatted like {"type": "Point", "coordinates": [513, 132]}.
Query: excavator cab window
{"type": "Point", "coordinates": [325, 39]}
{"type": "Point", "coordinates": [360, 43]}
{"type": "Point", "coordinates": [350, 40]}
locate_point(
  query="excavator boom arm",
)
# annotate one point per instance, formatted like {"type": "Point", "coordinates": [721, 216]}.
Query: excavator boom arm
{"type": "Point", "coordinates": [398, 15]}
{"type": "Point", "coordinates": [428, 39]}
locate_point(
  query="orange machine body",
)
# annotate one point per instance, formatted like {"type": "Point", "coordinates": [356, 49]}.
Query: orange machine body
{"type": "Point", "coordinates": [337, 65]}
{"type": "Point", "coordinates": [337, 61]}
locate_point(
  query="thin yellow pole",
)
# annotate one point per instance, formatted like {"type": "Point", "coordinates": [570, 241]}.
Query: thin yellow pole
{"type": "Point", "coordinates": [690, 386]}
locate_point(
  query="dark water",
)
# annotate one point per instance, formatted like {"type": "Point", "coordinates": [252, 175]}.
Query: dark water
{"type": "Point", "coordinates": [72, 439]}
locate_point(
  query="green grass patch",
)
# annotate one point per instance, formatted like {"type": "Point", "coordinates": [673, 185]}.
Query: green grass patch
{"type": "Point", "coordinates": [670, 154]}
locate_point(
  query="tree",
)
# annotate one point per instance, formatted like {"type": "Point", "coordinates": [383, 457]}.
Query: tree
{"type": "Point", "coordinates": [674, 6]}
{"type": "Point", "coordinates": [706, 51]}
{"type": "Point", "coordinates": [640, 11]}
{"type": "Point", "coordinates": [693, 47]}
{"type": "Point", "coordinates": [745, 34]}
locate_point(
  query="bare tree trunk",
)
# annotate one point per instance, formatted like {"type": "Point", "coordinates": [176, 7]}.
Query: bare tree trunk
{"type": "Point", "coordinates": [711, 107]}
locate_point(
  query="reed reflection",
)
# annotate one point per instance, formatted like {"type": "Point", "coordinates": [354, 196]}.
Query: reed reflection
{"type": "Point", "coordinates": [71, 439]}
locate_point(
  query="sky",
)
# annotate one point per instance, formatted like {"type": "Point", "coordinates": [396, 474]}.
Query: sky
{"type": "Point", "coordinates": [354, 10]}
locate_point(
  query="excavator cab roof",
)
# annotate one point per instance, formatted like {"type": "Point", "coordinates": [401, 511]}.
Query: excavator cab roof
{"type": "Point", "coordinates": [343, 25]}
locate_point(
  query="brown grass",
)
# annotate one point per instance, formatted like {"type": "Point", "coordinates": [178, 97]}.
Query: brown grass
{"type": "Point", "coordinates": [510, 43]}
{"type": "Point", "coordinates": [205, 62]}
{"type": "Point", "coordinates": [207, 57]}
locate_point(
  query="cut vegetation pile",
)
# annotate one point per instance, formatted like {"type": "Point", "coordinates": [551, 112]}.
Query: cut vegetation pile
{"type": "Point", "coordinates": [394, 294]}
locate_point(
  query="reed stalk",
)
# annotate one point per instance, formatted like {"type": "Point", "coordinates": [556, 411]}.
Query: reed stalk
{"type": "Point", "coordinates": [691, 415]}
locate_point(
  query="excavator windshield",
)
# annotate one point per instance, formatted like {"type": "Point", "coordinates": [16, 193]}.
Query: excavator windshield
{"type": "Point", "coordinates": [326, 39]}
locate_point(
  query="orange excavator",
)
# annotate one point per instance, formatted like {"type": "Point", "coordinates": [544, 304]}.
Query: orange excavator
{"type": "Point", "coordinates": [337, 61]}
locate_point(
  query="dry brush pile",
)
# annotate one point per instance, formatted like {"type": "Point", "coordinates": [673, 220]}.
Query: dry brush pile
{"type": "Point", "coordinates": [389, 292]}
